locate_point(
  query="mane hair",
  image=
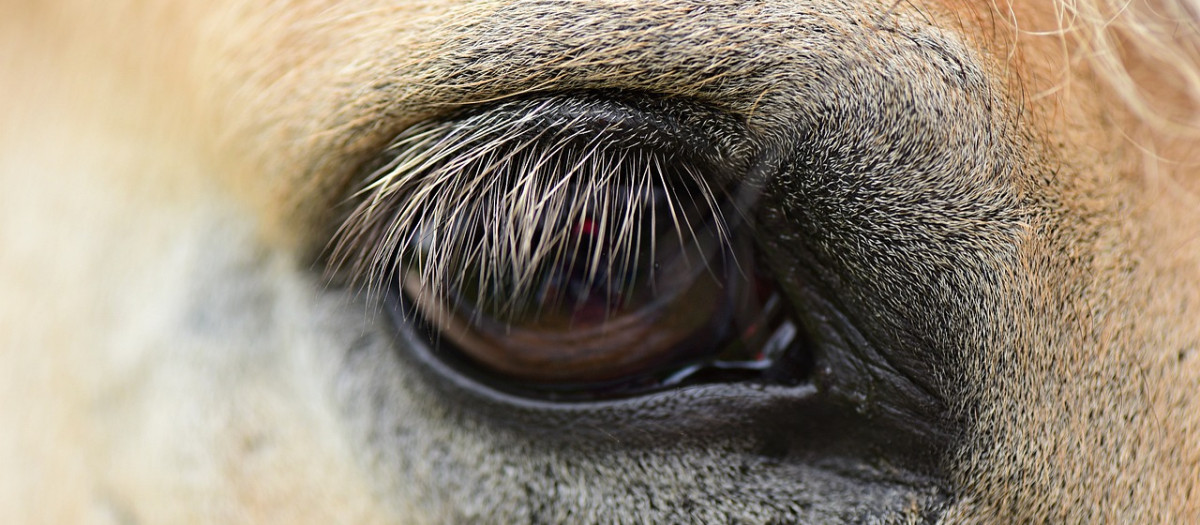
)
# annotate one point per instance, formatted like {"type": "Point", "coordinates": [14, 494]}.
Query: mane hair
{"type": "Point", "coordinates": [1146, 51]}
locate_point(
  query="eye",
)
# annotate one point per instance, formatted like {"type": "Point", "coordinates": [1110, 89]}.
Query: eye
{"type": "Point", "coordinates": [579, 246]}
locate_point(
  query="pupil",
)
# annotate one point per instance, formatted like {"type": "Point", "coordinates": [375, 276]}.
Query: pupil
{"type": "Point", "coordinates": [628, 256]}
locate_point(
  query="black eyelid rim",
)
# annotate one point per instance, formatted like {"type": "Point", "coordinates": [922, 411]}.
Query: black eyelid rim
{"type": "Point", "coordinates": [728, 402]}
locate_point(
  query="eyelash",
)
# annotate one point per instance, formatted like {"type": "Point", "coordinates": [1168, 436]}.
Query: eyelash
{"type": "Point", "coordinates": [475, 191]}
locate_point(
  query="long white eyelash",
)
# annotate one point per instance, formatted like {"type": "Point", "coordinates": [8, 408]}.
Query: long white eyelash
{"type": "Point", "coordinates": [477, 192]}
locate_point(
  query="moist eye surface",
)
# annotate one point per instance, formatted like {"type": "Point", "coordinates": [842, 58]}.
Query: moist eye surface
{"type": "Point", "coordinates": [577, 246]}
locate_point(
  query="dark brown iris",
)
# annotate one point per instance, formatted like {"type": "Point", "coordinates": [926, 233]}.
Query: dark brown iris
{"type": "Point", "coordinates": [603, 309]}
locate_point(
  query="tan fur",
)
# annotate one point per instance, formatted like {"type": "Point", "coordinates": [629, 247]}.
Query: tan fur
{"type": "Point", "coordinates": [170, 172]}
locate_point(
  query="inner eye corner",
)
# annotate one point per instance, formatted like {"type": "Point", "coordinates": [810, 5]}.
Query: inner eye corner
{"type": "Point", "coordinates": [575, 246]}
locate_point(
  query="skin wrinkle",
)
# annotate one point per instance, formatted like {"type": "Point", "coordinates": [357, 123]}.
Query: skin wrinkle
{"type": "Point", "coordinates": [1005, 210]}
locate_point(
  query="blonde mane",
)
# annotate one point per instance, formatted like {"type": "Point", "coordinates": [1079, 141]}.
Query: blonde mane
{"type": "Point", "coordinates": [1146, 51]}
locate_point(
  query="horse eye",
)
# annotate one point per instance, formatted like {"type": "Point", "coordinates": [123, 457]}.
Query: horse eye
{"type": "Point", "coordinates": [598, 310]}
{"type": "Point", "coordinates": [577, 246]}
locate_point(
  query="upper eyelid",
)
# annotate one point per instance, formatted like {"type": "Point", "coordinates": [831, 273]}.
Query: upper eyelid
{"type": "Point", "coordinates": [472, 54]}
{"type": "Point", "coordinates": [853, 102]}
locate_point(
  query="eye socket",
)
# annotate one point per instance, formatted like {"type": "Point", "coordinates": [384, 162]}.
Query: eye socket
{"type": "Point", "coordinates": [577, 246]}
